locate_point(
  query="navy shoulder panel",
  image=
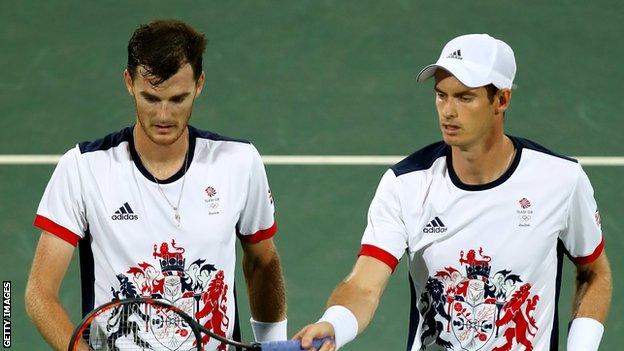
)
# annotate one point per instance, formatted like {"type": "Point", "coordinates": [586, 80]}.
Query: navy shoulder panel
{"type": "Point", "coordinates": [421, 159]}
{"type": "Point", "coordinates": [204, 134]}
{"type": "Point", "coordinates": [528, 144]}
{"type": "Point", "coordinates": [107, 142]}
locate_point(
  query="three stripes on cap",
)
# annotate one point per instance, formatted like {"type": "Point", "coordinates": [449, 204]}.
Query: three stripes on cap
{"type": "Point", "coordinates": [455, 54]}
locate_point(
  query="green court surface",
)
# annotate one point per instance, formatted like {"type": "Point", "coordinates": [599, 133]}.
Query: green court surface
{"type": "Point", "coordinates": [309, 78]}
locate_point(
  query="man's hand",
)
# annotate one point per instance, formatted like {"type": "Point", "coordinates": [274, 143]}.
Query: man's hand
{"type": "Point", "coordinates": [316, 331]}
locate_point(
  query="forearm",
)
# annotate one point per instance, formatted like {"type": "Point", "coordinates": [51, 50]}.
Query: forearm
{"type": "Point", "coordinates": [351, 305]}
{"type": "Point", "coordinates": [360, 300]}
{"type": "Point", "coordinates": [50, 318]}
{"type": "Point", "coordinates": [265, 286]}
{"type": "Point", "coordinates": [592, 297]}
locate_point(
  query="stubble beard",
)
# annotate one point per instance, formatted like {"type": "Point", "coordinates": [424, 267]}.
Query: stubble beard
{"type": "Point", "coordinates": [153, 137]}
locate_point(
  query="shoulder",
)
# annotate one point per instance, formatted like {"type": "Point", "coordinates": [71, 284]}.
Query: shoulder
{"type": "Point", "coordinates": [533, 147]}
{"type": "Point", "coordinates": [422, 159]}
{"type": "Point", "coordinates": [222, 146]}
{"type": "Point", "coordinates": [108, 142]}
{"type": "Point", "coordinates": [211, 136]}
{"type": "Point", "coordinates": [550, 167]}
{"type": "Point", "coordinates": [233, 151]}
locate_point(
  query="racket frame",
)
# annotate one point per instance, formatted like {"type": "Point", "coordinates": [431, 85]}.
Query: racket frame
{"type": "Point", "coordinates": [196, 327]}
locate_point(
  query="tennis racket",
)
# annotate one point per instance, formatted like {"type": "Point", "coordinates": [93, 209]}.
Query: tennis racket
{"type": "Point", "coordinates": [151, 324]}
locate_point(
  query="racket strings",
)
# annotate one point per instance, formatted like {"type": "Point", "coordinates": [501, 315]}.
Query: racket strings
{"type": "Point", "coordinates": [139, 326]}
{"type": "Point", "coordinates": [148, 324]}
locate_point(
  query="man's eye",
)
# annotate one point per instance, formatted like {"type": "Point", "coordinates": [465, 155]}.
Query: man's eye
{"type": "Point", "coordinates": [465, 98]}
{"type": "Point", "coordinates": [177, 100]}
{"type": "Point", "coordinates": [151, 99]}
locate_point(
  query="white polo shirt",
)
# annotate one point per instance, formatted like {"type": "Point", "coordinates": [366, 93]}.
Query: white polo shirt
{"type": "Point", "coordinates": [102, 198]}
{"type": "Point", "coordinates": [484, 260]}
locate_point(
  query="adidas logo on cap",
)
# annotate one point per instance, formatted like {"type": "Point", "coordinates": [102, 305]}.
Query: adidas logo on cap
{"type": "Point", "coordinates": [435, 226]}
{"type": "Point", "coordinates": [455, 54]}
{"type": "Point", "coordinates": [124, 213]}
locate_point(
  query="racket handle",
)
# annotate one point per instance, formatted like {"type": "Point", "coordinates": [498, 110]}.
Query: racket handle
{"type": "Point", "coordinates": [290, 345]}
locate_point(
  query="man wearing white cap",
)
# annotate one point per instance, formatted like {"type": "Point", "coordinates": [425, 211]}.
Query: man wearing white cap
{"type": "Point", "coordinates": [484, 220]}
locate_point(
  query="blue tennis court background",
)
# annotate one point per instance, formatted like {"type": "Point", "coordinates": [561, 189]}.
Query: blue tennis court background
{"type": "Point", "coordinates": [308, 78]}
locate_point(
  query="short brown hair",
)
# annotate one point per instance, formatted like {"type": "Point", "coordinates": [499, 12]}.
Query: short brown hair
{"type": "Point", "coordinates": [491, 91]}
{"type": "Point", "coordinates": [162, 47]}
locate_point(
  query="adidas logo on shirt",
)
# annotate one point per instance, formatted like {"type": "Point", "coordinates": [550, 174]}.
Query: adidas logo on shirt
{"type": "Point", "coordinates": [124, 213]}
{"type": "Point", "coordinates": [435, 226]}
{"type": "Point", "coordinates": [455, 54]}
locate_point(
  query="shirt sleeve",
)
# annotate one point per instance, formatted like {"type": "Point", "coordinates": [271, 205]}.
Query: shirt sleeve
{"type": "Point", "coordinates": [582, 236]}
{"type": "Point", "coordinates": [385, 236]}
{"type": "Point", "coordinates": [61, 211]}
{"type": "Point", "coordinates": [257, 222]}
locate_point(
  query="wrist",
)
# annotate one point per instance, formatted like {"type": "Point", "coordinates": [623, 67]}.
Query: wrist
{"type": "Point", "coordinates": [344, 322]}
{"type": "Point", "coordinates": [584, 334]}
{"type": "Point", "coordinates": [269, 331]}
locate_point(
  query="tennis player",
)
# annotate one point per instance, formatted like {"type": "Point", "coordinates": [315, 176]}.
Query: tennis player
{"type": "Point", "coordinates": [484, 219]}
{"type": "Point", "coordinates": [156, 209]}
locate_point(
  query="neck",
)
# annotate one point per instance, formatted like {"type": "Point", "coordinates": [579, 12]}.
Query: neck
{"type": "Point", "coordinates": [162, 161]}
{"type": "Point", "coordinates": [484, 163]}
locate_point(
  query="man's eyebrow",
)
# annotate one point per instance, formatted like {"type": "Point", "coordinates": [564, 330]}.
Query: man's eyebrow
{"type": "Point", "coordinates": [470, 92]}
{"type": "Point", "coordinates": [180, 96]}
{"type": "Point", "coordinates": [148, 95]}
{"type": "Point", "coordinates": [174, 97]}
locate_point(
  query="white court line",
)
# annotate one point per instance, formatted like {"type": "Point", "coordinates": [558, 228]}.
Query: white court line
{"type": "Point", "coordinates": [318, 160]}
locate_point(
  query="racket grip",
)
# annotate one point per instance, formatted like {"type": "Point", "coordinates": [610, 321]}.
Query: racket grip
{"type": "Point", "coordinates": [290, 345]}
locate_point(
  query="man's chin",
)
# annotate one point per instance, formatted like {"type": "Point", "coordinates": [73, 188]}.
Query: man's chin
{"type": "Point", "coordinates": [164, 139]}
{"type": "Point", "coordinates": [451, 140]}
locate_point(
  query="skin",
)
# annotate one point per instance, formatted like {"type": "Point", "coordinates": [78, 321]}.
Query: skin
{"type": "Point", "coordinates": [360, 292]}
{"type": "Point", "coordinates": [472, 125]}
{"type": "Point", "coordinates": [265, 282]}
{"type": "Point", "coordinates": [162, 115]}
{"type": "Point", "coordinates": [161, 139]}
{"type": "Point", "coordinates": [594, 287]}
{"type": "Point", "coordinates": [43, 306]}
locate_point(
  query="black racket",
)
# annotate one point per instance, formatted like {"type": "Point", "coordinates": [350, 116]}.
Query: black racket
{"type": "Point", "coordinates": [150, 324]}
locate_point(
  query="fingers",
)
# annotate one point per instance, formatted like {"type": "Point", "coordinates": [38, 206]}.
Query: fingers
{"type": "Point", "coordinates": [300, 333]}
{"type": "Point", "coordinates": [316, 331]}
{"type": "Point", "coordinates": [307, 336]}
{"type": "Point", "coordinates": [328, 346]}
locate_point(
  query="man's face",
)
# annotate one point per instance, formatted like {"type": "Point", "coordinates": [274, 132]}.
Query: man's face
{"type": "Point", "coordinates": [466, 114]}
{"type": "Point", "coordinates": [163, 111]}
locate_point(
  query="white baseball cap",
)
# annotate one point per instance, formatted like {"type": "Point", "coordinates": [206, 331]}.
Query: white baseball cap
{"type": "Point", "coordinates": [476, 60]}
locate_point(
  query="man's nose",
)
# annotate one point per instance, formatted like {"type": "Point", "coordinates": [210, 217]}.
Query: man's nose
{"type": "Point", "coordinates": [163, 110]}
{"type": "Point", "coordinates": [449, 109]}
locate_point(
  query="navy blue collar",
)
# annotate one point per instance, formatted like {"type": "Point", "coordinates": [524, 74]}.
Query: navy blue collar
{"type": "Point", "coordinates": [477, 187]}
{"type": "Point", "coordinates": [137, 160]}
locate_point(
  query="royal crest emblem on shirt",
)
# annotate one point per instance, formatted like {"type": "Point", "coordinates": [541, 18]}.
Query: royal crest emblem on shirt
{"type": "Point", "coordinates": [198, 288]}
{"type": "Point", "coordinates": [477, 310]}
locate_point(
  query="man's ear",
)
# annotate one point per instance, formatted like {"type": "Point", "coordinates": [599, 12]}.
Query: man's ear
{"type": "Point", "coordinates": [128, 81]}
{"type": "Point", "coordinates": [502, 100]}
{"type": "Point", "coordinates": [199, 85]}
